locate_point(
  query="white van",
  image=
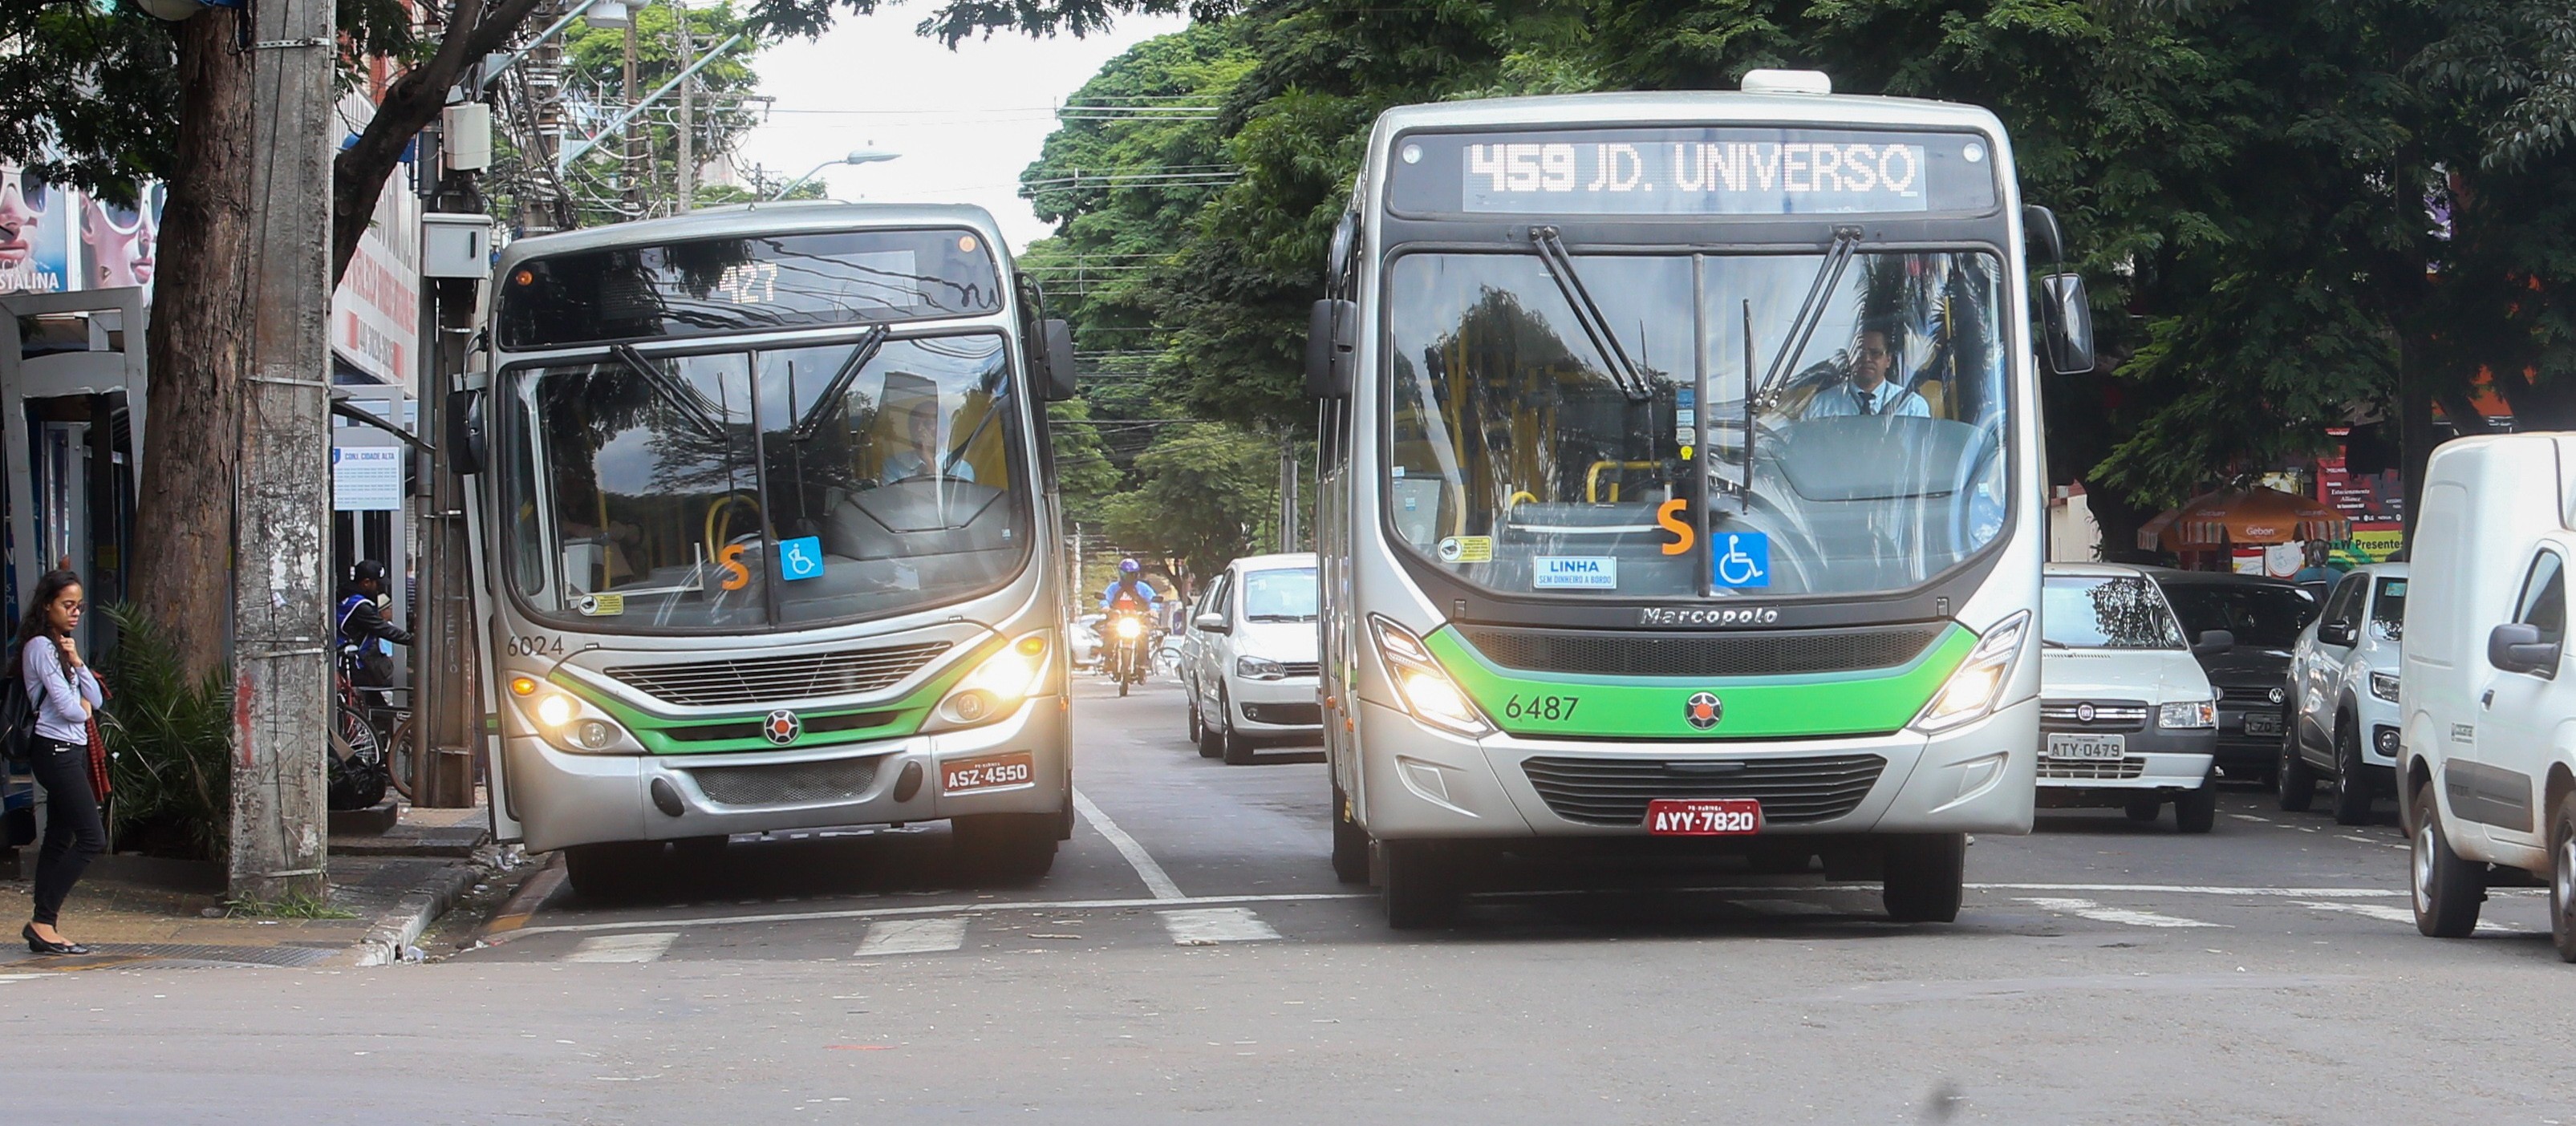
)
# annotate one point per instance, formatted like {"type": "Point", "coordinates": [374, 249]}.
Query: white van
{"type": "Point", "coordinates": [2488, 743]}
{"type": "Point", "coordinates": [2126, 714]}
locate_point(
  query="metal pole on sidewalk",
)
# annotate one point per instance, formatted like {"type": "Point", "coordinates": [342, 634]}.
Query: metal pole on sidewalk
{"type": "Point", "coordinates": [281, 619]}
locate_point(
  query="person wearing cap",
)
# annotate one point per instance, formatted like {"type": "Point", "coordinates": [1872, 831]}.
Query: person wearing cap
{"type": "Point", "coordinates": [363, 624]}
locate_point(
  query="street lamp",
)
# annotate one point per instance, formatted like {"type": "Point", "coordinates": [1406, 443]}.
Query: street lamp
{"type": "Point", "coordinates": [857, 156]}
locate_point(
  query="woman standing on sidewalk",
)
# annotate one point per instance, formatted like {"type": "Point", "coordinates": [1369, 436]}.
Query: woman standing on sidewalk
{"type": "Point", "coordinates": [66, 760]}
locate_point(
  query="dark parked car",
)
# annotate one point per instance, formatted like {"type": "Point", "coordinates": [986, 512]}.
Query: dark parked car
{"type": "Point", "coordinates": [2265, 615]}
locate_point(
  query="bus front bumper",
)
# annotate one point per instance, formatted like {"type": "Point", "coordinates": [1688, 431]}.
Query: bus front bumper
{"type": "Point", "coordinates": [566, 799]}
{"type": "Point", "coordinates": [1418, 783]}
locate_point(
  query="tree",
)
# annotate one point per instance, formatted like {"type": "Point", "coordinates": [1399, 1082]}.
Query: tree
{"type": "Point", "coordinates": [1204, 496]}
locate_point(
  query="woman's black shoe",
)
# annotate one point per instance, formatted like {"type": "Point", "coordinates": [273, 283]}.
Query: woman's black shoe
{"type": "Point", "coordinates": [40, 946]}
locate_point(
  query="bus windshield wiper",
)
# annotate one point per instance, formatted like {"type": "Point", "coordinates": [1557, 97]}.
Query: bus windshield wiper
{"type": "Point", "coordinates": [1550, 245]}
{"type": "Point", "coordinates": [1811, 313]}
{"type": "Point", "coordinates": [860, 354]}
{"type": "Point", "coordinates": [681, 395]}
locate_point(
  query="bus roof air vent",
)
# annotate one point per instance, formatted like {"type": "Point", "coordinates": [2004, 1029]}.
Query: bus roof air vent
{"type": "Point", "coordinates": [1767, 81]}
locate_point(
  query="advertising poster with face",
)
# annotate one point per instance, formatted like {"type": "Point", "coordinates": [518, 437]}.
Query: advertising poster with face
{"type": "Point", "coordinates": [117, 242]}
{"type": "Point", "coordinates": [34, 233]}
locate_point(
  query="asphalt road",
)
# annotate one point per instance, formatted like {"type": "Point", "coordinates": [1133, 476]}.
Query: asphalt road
{"type": "Point", "coordinates": [1192, 958]}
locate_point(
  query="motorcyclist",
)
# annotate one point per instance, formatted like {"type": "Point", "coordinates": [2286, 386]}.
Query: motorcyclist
{"type": "Point", "coordinates": [1129, 595]}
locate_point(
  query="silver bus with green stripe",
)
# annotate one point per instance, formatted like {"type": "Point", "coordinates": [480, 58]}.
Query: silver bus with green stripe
{"type": "Point", "coordinates": [764, 534]}
{"type": "Point", "coordinates": [1680, 489]}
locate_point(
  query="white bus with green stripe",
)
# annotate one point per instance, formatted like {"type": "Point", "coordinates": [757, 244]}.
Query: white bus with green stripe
{"type": "Point", "coordinates": [1681, 488]}
{"type": "Point", "coordinates": [764, 529]}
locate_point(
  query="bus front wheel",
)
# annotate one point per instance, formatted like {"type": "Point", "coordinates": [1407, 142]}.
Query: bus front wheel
{"type": "Point", "coordinates": [1007, 846]}
{"type": "Point", "coordinates": [1924, 877]}
{"type": "Point", "coordinates": [612, 872]}
{"type": "Point", "coordinates": [1422, 889]}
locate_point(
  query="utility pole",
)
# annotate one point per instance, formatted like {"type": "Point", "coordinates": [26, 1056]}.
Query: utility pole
{"type": "Point", "coordinates": [687, 172]}
{"type": "Point", "coordinates": [282, 495]}
{"type": "Point", "coordinates": [634, 182]}
{"type": "Point", "coordinates": [1287, 493]}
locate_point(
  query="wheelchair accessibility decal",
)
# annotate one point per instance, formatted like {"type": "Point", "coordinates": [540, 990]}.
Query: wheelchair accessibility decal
{"type": "Point", "coordinates": [1741, 559]}
{"type": "Point", "coordinates": [800, 558]}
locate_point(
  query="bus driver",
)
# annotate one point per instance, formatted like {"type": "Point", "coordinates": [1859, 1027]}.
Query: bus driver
{"type": "Point", "coordinates": [921, 457]}
{"type": "Point", "coordinates": [1868, 391]}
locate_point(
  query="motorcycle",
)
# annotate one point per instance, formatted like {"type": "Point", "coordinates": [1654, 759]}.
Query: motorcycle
{"type": "Point", "coordinates": [1126, 660]}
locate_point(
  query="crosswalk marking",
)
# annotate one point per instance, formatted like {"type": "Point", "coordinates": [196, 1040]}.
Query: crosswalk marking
{"type": "Point", "coordinates": [912, 936]}
{"type": "Point", "coordinates": [623, 947]}
{"type": "Point", "coordinates": [2401, 915]}
{"type": "Point", "coordinates": [1206, 926]}
{"type": "Point", "coordinates": [2087, 909]}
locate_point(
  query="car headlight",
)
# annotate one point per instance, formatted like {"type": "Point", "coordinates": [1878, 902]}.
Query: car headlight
{"type": "Point", "coordinates": [996, 685]}
{"type": "Point", "coordinates": [2384, 686]}
{"type": "Point", "coordinates": [1970, 692]}
{"type": "Point", "coordinates": [1422, 685]}
{"type": "Point", "coordinates": [1259, 668]}
{"type": "Point", "coordinates": [2188, 714]}
{"type": "Point", "coordinates": [570, 723]}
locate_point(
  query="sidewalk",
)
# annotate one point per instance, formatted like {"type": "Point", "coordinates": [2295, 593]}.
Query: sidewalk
{"type": "Point", "coordinates": [385, 889]}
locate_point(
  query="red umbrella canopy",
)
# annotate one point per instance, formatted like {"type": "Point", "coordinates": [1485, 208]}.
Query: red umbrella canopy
{"type": "Point", "coordinates": [2247, 517]}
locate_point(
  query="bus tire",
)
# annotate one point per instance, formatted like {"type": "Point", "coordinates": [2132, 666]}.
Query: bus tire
{"type": "Point", "coordinates": [620, 870]}
{"type": "Point", "coordinates": [1925, 877]}
{"type": "Point", "coordinates": [2447, 890]}
{"type": "Point", "coordinates": [1422, 889]}
{"type": "Point", "coordinates": [1350, 842]}
{"type": "Point", "coordinates": [1013, 847]}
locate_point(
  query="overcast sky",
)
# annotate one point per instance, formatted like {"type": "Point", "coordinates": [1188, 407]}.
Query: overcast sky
{"type": "Point", "coordinates": [966, 121]}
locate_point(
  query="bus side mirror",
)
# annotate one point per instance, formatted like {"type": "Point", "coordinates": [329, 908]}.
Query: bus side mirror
{"type": "Point", "coordinates": [1059, 360]}
{"type": "Point", "coordinates": [466, 443]}
{"type": "Point", "coordinates": [1330, 328]}
{"type": "Point", "coordinates": [2040, 235]}
{"type": "Point", "coordinates": [2068, 317]}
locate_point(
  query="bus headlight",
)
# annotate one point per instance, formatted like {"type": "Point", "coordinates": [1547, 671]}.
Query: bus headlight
{"type": "Point", "coordinates": [1970, 692]}
{"type": "Point", "coordinates": [1424, 687]}
{"type": "Point", "coordinates": [997, 685]}
{"type": "Point", "coordinates": [571, 724]}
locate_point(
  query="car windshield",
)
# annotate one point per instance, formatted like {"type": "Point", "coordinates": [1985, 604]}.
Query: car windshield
{"type": "Point", "coordinates": [2260, 615]}
{"type": "Point", "coordinates": [2388, 611]}
{"type": "Point", "coordinates": [2106, 612]}
{"type": "Point", "coordinates": [779, 488]}
{"type": "Point", "coordinates": [1286, 595]}
{"type": "Point", "coordinates": [1530, 456]}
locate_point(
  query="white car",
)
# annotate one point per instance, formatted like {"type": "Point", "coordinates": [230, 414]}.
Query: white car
{"type": "Point", "coordinates": [2127, 718]}
{"type": "Point", "coordinates": [2488, 779]}
{"type": "Point", "coordinates": [2343, 695]}
{"type": "Point", "coordinates": [1253, 672]}
{"type": "Point", "coordinates": [1085, 645]}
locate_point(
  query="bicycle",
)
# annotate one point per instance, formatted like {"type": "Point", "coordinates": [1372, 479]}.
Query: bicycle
{"type": "Point", "coordinates": [358, 769]}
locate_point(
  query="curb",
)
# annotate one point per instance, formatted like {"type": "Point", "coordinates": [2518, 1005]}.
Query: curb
{"type": "Point", "coordinates": [398, 928]}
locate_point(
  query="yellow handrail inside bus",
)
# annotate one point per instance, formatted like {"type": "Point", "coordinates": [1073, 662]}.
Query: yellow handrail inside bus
{"type": "Point", "coordinates": [1592, 479]}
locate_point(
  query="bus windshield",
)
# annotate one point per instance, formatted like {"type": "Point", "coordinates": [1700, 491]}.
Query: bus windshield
{"type": "Point", "coordinates": [1524, 461]}
{"type": "Point", "coordinates": [778, 488]}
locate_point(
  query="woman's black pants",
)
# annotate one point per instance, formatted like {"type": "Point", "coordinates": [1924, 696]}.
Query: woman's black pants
{"type": "Point", "coordinates": [72, 830]}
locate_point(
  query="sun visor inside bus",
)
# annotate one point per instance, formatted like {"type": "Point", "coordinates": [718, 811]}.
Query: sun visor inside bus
{"type": "Point", "coordinates": [1881, 457]}
{"type": "Point", "coordinates": [914, 518]}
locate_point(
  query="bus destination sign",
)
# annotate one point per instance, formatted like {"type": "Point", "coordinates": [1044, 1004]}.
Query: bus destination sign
{"type": "Point", "coordinates": [1692, 171]}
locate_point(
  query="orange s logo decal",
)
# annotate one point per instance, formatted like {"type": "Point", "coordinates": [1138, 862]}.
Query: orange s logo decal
{"type": "Point", "coordinates": [1669, 514]}
{"type": "Point", "coordinates": [737, 576]}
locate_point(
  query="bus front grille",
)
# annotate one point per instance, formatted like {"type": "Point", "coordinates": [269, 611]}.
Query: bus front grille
{"type": "Point", "coordinates": [763, 680]}
{"type": "Point", "coordinates": [1630, 653]}
{"type": "Point", "coordinates": [792, 783]}
{"type": "Point", "coordinates": [1606, 791]}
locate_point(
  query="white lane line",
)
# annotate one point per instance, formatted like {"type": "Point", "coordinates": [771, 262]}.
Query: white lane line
{"type": "Point", "coordinates": [1207, 926]}
{"type": "Point", "coordinates": [5, 978]}
{"type": "Point", "coordinates": [623, 947]}
{"type": "Point", "coordinates": [912, 936]}
{"type": "Point", "coordinates": [2401, 915]}
{"type": "Point", "coordinates": [1156, 880]}
{"type": "Point", "coordinates": [2087, 909]}
{"type": "Point", "coordinates": [939, 909]}
{"type": "Point", "coordinates": [2206, 889]}
{"type": "Point", "coordinates": [1784, 907]}
{"type": "Point", "coordinates": [2250, 817]}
